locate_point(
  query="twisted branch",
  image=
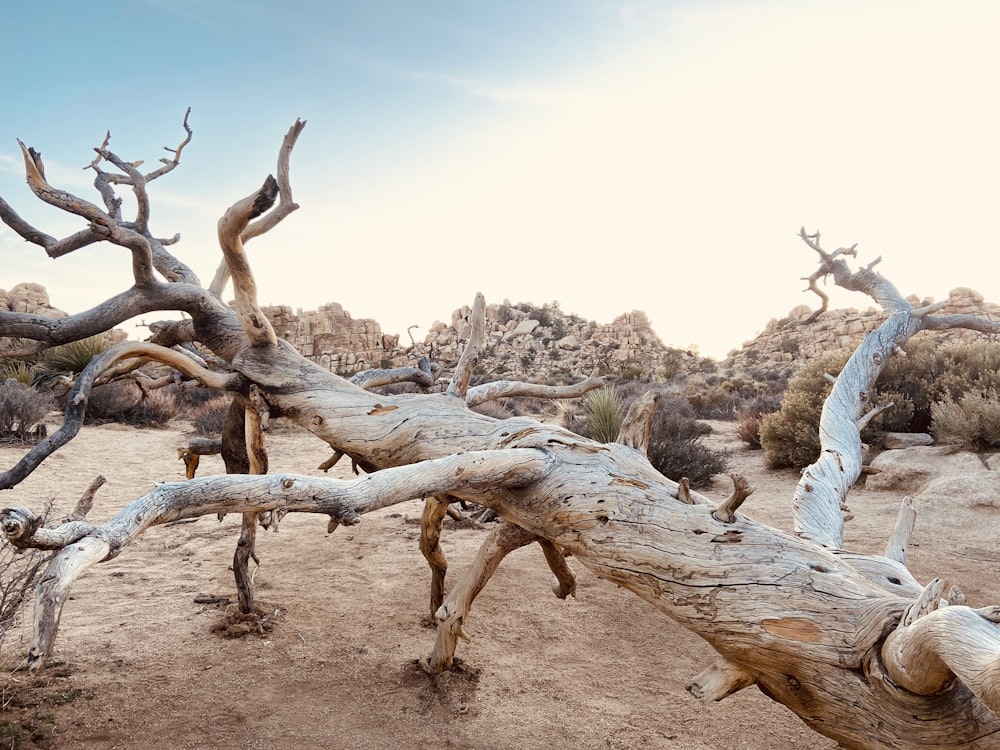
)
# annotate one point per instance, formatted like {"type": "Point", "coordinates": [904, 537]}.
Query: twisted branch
{"type": "Point", "coordinates": [286, 205]}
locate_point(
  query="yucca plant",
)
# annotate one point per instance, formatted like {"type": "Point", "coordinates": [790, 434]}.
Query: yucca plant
{"type": "Point", "coordinates": [73, 357]}
{"type": "Point", "coordinates": [605, 412]}
{"type": "Point", "coordinates": [17, 369]}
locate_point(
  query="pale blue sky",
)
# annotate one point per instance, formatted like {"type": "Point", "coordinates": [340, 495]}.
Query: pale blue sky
{"type": "Point", "coordinates": [608, 154]}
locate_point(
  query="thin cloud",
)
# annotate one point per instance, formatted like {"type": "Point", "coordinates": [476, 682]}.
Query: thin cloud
{"type": "Point", "coordinates": [483, 89]}
{"type": "Point", "coordinates": [11, 164]}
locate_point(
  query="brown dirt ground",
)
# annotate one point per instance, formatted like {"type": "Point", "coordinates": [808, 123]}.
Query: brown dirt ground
{"type": "Point", "coordinates": [137, 664]}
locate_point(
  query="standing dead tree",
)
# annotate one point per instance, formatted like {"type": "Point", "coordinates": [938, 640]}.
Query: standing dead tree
{"type": "Point", "coordinates": [851, 643]}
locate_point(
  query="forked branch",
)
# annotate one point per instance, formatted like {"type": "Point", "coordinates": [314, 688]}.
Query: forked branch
{"type": "Point", "coordinates": [480, 394]}
{"type": "Point", "coordinates": [101, 223]}
{"type": "Point", "coordinates": [286, 205]}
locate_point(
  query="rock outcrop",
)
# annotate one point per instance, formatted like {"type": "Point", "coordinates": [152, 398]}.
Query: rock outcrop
{"type": "Point", "coordinates": [523, 342]}
{"type": "Point", "coordinates": [28, 297]}
{"type": "Point", "coordinates": [545, 345]}
{"type": "Point", "coordinates": [793, 340]}
{"type": "Point", "coordinates": [25, 297]}
{"type": "Point", "coordinates": [333, 339]}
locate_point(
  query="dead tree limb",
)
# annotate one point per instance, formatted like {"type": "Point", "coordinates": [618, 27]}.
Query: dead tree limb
{"type": "Point", "coordinates": [286, 205]}
{"type": "Point", "coordinates": [851, 643]}
{"type": "Point", "coordinates": [83, 544]}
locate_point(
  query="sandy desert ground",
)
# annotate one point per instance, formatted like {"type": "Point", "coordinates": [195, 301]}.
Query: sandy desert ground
{"type": "Point", "coordinates": [137, 664]}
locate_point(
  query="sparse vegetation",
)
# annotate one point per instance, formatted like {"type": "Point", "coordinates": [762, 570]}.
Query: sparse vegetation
{"type": "Point", "coordinates": [748, 421]}
{"type": "Point", "coordinates": [675, 447]}
{"type": "Point", "coordinates": [123, 401]}
{"type": "Point", "coordinates": [22, 410]}
{"type": "Point", "coordinates": [494, 409]}
{"type": "Point", "coordinates": [209, 417]}
{"type": "Point", "coordinates": [17, 369]}
{"type": "Point", "coordinates": [927, 385]}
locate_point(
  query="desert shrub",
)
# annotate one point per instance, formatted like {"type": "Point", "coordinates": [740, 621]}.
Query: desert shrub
{"type": "Point", "coordinates": [718, 397]}
{"type": "Point", "coordinates": [930, 373]}
{"type": "Point", "coordinates": [913, 383]}
{"type": "Point", "coordinates": [518, 406]}
{"type": "Point", "coordinates": [74, 356]}
{"type": "Point", "coordinates": [632, 371]}
{"type": "Point", "coordinates": [748, 422]}
{"type": "Point", "coordinates": [123, 401]}
{"type": "Point", "coordinates": [546, 315]}
{"type": "Point", "coordinates": [672, 363]}
{"type": "Point", "coordinates": [972, 421]}
{"type": "Point", "coordinates": [22, 408]}
{"type": "Point", "coordinates": [571, 415]}
{"type": "Point", "coordinates": [604, 412]}
{"type": "Point", "coordinates": [675, 449]}
{"type": "Point", "coordinates": [209, 417]}
{"type": "Point", "coordinates": [790, 436]}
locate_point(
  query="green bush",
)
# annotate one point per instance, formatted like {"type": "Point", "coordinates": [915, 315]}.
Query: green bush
{"type": "Point", "coordinates": [674, 450]}
{"type": "Point", "coordinates": [929, 373]}
{"type": "Point", "coordinates": [790, 436]}
{"type": "Point", "coordinates": [22, 409]}
{"type": "Point", "coordinates": [604, 414]}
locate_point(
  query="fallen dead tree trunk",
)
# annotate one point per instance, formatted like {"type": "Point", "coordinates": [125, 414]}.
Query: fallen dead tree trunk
{"type": "Point", "coordinates": [851, 643]}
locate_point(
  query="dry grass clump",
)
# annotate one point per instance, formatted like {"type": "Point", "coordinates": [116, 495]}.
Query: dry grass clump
{"type": "Point", "coordinates": [124, 402]}
{"type": "Point", "coordinates": [209, 417]}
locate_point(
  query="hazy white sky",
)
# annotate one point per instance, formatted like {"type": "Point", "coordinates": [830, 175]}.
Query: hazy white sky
{"type": "Point", "coordinates": [608, 154]}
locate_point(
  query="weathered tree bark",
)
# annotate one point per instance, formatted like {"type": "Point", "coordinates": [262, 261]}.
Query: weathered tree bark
{"type": "Point", "coordinates": [851, 643]}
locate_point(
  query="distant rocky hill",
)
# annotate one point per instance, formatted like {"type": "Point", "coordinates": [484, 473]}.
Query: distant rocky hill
{"type": "Point", "coordinates": [791, 340]}
{"type": "Point", "coordinates": [544, 344]}
{"type": "Point", "coordinates": [523, 341]}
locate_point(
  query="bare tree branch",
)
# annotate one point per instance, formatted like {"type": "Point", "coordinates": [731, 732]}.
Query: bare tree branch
{"type": "Point", "coordinates": [77, 400]}
{"type": "Point", "coordinates": [495, 389]}
{"type": "Point", "coordinates": [286, 205]}
{"type": "Point", "coordinates": [101, 223]}
{"type": "Point", "coordinates": [255, 324]}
